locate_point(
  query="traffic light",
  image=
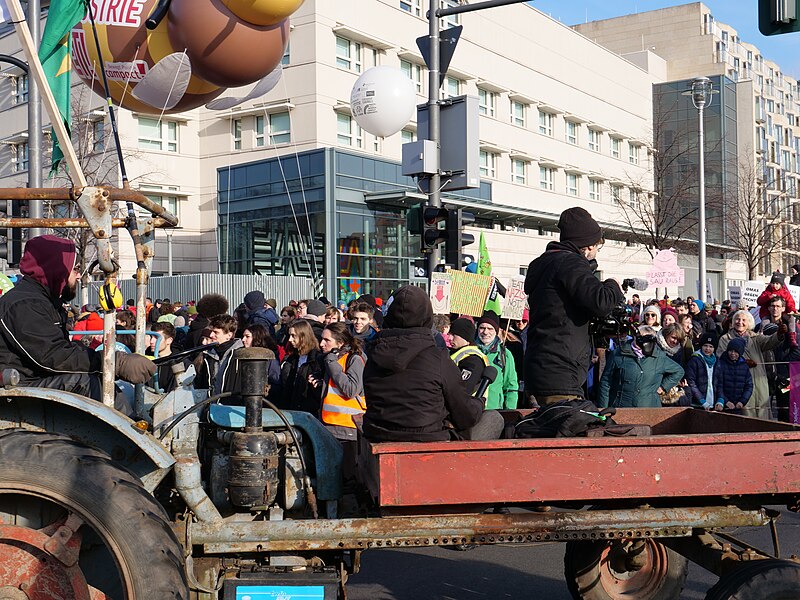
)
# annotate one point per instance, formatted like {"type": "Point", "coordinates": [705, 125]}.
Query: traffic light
{"type": "Point", "coordinates": [457, 219]}
{"type": "Point", "coordinates": [432, 234]}
{"type": "Point", "coordinates": [778, 16]}
{"type": "Point", "coordinates": [11, 248]}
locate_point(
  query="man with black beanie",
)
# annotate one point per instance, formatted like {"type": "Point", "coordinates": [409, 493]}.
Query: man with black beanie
{"type": "Point", "coordinates": [466, 354]}
{"type": "Point", "coordinates": [564, 295]}
{"type": "Point", "coordinates": [414, 391]}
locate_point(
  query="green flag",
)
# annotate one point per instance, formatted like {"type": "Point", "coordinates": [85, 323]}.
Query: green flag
{"type": "Point", "coordinates": [54, 52]}
{"type": "Point", "coordinates": [485, 268]}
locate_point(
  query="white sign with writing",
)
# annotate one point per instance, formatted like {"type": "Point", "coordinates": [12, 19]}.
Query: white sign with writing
{"type": "Point", "coordinates": [665, 271]}
{"type": "Point", "coordinates": [752, 290]}
{"type": "Point", "coordinates": [440, 293]}
{"type": "Point", "coordinates": [794, 290]}
{"type": "Point", "coordinates": [516, 300]}
{"type": "Point", "coordinates": [734, 293]}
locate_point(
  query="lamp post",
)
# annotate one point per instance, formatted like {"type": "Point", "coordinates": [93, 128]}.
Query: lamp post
{"type": "Point", "coordinates": [701, 93]}
{"type": "Point", "coordinates": [169, 233]}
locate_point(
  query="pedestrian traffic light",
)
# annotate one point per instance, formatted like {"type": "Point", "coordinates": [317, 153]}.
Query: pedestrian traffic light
{"type": "Point", "coordinates": [778, 16]}
{"type": "Point", "coordinates": [432, 234]}
{"type": "Point", "coordinates": [457, 219]}
{"type": "Point", "coordinates": [11, 247]}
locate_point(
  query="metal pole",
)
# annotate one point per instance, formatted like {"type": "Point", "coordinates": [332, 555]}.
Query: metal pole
{"type": "Point", "coordinates": [169, 252]}
{"type": "Point", "coordinates": [35, 208]}
{"type": "Point", "coordinates": [702, 233]}
{"type": "Point", "coordinates": [434, 126]}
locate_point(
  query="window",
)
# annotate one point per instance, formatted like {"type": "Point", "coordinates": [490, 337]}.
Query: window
{"type": "Point", "coordinates": [488, 164]}
{"type": "Point", "coordinates": [486, 102]}
{"type": "Point", "coordinates": [157, 134]}
{"type": "Point", "coordinates": [20, 158]}
{"type": "Point", "coordinates": [633, 153]}
{"type": "Point", "coordinates": [412, 6]}
{"type": "Point", "coordinates": [348, 131]}
{"type": "Point", "coordinates": [285, 57]}
{"type": "Point", "coordinates": [348, 55]}
{"type": "Point", "coordinates": [616, 146]}
{"type": "Point", "coordinates": [259, 132]}
{"type": "Point", "coordinates": [571, 132]}
{"type": "Point", "coordinates": [415, 73]}
{"type": "Point", "coordinates": [408, 136]}
{"type": "Point", "coordinates": [236, 132]}
{"type": "Point", "coordinates": [546, 123]}
{"type": "Point", "coordinates": [519, 170]}
{"type": "Point", "coordinates": [594, 140]}
{"type": "Point", "coordinates": [20, 89]}
{"type": "Point", "coordinates": [595, 187]}
{"type": "Point", "coordinates": [452, 87]}
{"type": "Point", "coordinates": [518, 110]}
{"type": "Point", "coordinates": [547, 177]}
{"type": "Point", "coordinates": [616, 193]}
{"type": "Point", "coordinates": [98, 136]}
{"type": "Point", "coordinates": [163, 199]}
{"type": "Point", "coordinates": [280, 128]}
{"type": "Point", "coordinates": [572, 184]}
{"type": "Point", "coordinates": [633, 199]}
{"type": "Point", "coordinates": [451, 20]}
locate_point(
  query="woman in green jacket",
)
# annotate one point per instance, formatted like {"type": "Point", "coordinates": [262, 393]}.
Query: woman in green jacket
{"type": "Point", "coordinates": [504, 390]}
{"type": "Point", "coordinates": [636, 371]}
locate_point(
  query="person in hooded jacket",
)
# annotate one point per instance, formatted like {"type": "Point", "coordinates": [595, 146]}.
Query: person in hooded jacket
{"type": "Point", "coordinates": [415, 391]}
{"type": "Point", "coordinates": [700, 372]}
{"type": "Point", "coordinates": [33, 334]}
{"type": "Point", "coordinates": [795, 277]}
{"type": "Point", "coordinates": [733, 382]}
{"type": "Point", "coordinates": [259, 312]}
{"type": "Point", "coordinates": [209, 305]}
{"type": "Point", "coordinates": [564, 295]}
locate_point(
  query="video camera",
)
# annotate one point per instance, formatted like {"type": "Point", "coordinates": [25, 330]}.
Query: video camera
{"type": "Point", "coordinates": [622, 320]}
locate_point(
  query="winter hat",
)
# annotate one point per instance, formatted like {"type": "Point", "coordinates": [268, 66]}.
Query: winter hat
{"type": "Point", "coordinates": [272, 302]}
{"type": "Point", "coordinates": [738, 344]}
{"type": "Point", "coordinates": [49, 260]}
{"type": "Point", "coordinates": [709, 338]}
{"type": "Point", "coordinates": [526, 315]}
{"type": "Point", "coordinates": [254, 300]}
{"type": "Point", "coordinates": [369, 299]}
{"type": "Point", "coordinates": [670, 311]}
{"type": "Point", "coordinates": [796, 268]}
{"type": "Point", "coordinates": [577, 226]}
{"type": "Point", "coordinates": [408, 307]}
{"type": "Point", "coordinates": [463, 328]}
{"type": "Point", "coordinates": [490, 318]}
{"type": "Point", "coordinates": [700, 304]}
{"type": "Point", "coordinates": [315, 308]}
{"type": "Point", "coordinates": [192, 310]}
{"type": "Point", "coordinates": [652, 309]}
{"type": "Point", "coordinates": [778, 278]}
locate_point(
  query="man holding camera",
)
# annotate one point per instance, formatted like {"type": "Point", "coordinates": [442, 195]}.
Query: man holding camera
{"type": "Point", "coordinates": [564, 295]}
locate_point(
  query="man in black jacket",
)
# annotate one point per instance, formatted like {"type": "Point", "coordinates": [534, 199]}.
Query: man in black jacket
{"type": "Point", "coordinates": [414, 391]}
{"type": "Point", "coordinates": [33, 333]}
{"type": "Point", "coordinates": [564, 295]}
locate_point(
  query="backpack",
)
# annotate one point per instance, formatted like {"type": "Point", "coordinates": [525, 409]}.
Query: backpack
{"type": "Point", "coordinates": [568, 418]}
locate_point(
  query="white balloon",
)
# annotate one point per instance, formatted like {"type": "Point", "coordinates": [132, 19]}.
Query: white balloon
{"type": "Point", "coordinates": [383, 100]}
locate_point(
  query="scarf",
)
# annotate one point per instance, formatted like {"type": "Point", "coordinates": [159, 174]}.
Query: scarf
{"type": "Point", "coordinates": [665, 347]}
{"type": "Point", "coordinates": [710, 360]}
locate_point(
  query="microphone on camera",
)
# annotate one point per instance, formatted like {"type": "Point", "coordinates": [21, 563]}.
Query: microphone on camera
{"type": "Point", "coordinates": [636, 283]}
{"type": "Point", "coordinates": [487, 378]}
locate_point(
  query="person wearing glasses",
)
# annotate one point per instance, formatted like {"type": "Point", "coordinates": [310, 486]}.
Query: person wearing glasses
{"type": "Point", "coordinates": [33, 333]}
{"type": "Point", "coordinates": [563, 296]}
{"type": "Point", "coordinates": [652, 317]}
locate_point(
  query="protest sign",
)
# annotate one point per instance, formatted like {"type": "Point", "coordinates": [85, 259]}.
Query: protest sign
{"type": "Point", "coordinates": [665, 271]}
{"type": "Point", "coordinates": [734, 293]}
{"type": "Point", "coordinates": [440, 293]}
{"type": "Point", "coordinates": [794, 290]}
{"type": "Point", "coordinates": [516, 299]}
{"type": "Point", "coordinates": [468, 293]}
{"type": "Point", "coordinates": [752, 290]}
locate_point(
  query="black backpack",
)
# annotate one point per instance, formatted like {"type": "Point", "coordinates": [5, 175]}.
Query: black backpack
{"type": "Point", "coordinates": [569, 418]}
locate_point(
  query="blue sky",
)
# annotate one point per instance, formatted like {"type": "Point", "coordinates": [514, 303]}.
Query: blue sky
{"type": "Point", "coordinates": [742, 15]}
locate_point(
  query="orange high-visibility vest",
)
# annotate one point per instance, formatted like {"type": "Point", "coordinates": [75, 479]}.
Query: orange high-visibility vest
{"type": "Point", "coordinates": [338, 410]}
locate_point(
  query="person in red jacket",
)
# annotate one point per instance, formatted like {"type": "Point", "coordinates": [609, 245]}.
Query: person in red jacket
{"type": "Point", "coordinates": [777, 287]}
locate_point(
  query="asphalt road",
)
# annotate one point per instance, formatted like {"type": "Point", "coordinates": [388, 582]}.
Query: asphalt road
{"type": "Point", "coordinates": [520, 572]}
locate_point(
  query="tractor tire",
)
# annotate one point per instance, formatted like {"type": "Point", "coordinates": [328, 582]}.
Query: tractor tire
{"type": "Point", "coordinates": [596, 571]}
{"type": "Point", "coordinates": [96, 519]}
{"type": "Point", "coordinates": [767, 579]}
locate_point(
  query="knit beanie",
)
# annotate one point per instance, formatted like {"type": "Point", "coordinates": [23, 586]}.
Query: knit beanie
{"type": "Point", "coordinates": [316, 308]}
{"type": "Point", "coordinates": [709, 338]}
{"type": "Point", "coordinates": [254, 300]}
{"type": "Point", "coordinates": [408, 307]}
{"type": "Point", "coordinates": [463, 328]}
{"type": "Point", "coordinates": [577, 226]}
{"type": "Point", "coordinates": [273, 303]}
{"type": "Point", "coordinates": [652, 309]}
{"type": "Point", "coordinates": [738, 344]}
{"type": "Point", "coordinates": [700, 304]}
{"type": "Point", "coordinates": [489, 318]}
{"type": "Point", "coordinates": [778, 278]}
{"type": "Point", "coordinates": [669, 311]}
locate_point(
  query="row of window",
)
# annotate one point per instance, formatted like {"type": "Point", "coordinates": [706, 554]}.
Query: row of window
{"type": "Point", "coordinates": [275, 127]}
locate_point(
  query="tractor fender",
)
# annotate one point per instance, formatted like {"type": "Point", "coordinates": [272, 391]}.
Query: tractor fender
{"type": "Point", "coordinates": [89, 422]}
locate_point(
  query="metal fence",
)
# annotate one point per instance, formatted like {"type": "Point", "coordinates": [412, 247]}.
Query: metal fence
{"type": "Point", "coordinates": [234, 287]}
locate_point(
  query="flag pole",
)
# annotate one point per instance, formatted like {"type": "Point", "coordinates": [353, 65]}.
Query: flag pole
{"type": "Point", "coordinates": [35, 69]}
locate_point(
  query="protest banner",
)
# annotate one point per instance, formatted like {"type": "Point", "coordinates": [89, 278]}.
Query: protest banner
{"type": "Point", "coordinates": [752, 290]}
{"type": "Point", "coordinates": [734, 293]}
{"type": "Point", "coordinates": [665, 271]}
{"type": "Point", "coordinates": [794, 290]}
{"type": "Point", "coordinates": [441, 285]}
{"type": "Point", "coordinates": [468, 293]}
{"type": "Point", "coordinates": [516, 299]}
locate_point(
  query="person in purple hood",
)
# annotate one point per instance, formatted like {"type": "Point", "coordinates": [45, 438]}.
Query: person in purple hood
{"type": "Point", "coordinates": [33, 333]}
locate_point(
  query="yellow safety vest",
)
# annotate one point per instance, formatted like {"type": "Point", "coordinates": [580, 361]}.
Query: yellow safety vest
{"type": "Point", "coordinates": [338, 410]}
{"type": "Point", "coordinates": [466, 351]}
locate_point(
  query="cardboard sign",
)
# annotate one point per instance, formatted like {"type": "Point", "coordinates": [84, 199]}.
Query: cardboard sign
{"type": "Point", "coordinates": [468, 292]}
{"type": "Point", "coordinates": [516, 300]}
{"type": "Point", "coordinates": [665, 271]}
{"type": "Point", "coordinates": [734, 293]}
{"type": "Point", "coordinates": [752, 290]}
{"type": "Point", "coordinates": [441, 285]}
{"type": "Point", "coordinates": [794, 290]}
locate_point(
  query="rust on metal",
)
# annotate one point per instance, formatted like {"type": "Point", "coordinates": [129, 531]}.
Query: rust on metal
{"type": "Point", "coordinates": [64, 223]}
{"type": "Point", "coordinates": [339, 534]}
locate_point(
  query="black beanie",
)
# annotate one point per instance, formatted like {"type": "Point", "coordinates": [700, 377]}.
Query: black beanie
{"type": "Point", "coordinates": [491, 318]}
{"type": "Point", "coordinates": [408, 307]}
{"type": "Point", "coordinates": [709, 338]}
{"type": "Point", "coordinates": [577, 226]}
{"type": "Point", "coordinates": [778, 278]}
{"type": "Point", "coordinates": [464, 328]}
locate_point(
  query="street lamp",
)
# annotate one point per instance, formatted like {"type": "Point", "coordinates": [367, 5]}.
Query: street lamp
{"type": "Point", "coordinates": [169, 233]}
{"type": "Point", "coordinates": [701, 92]}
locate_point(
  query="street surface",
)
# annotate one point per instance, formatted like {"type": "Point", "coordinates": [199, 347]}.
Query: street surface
{"type": "Point", "coordinates": [517, 572]}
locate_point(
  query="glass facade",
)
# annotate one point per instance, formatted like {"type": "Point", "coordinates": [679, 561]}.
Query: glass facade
{"type": "Point", "coordinates": [265, 230]}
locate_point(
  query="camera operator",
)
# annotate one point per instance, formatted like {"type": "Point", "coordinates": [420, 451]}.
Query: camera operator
{"type": "Point", "coordinates": [564, 295]}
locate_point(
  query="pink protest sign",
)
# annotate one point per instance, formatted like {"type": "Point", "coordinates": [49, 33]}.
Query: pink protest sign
{"type": "Point", "coordinates": [794, 393]}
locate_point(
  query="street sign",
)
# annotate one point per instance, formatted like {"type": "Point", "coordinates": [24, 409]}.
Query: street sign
{"type": "Point", "coordinates": [447, 47]}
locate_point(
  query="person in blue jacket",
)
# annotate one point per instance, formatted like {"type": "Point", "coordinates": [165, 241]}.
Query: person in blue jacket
{"type": "Point", "coordinates": [733, 383]}
{"type": "Point", "coordinates": [700, 372]}
{"type": "Point", "coordinates": [635, 373]}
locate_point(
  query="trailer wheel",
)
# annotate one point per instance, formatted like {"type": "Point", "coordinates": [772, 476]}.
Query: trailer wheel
{"type": "Point", "coordinates": [605, 571]}
{"type": "Point", "coordinates": [80, 526]}
{"type": "Point", "coordinates": [767, 579]}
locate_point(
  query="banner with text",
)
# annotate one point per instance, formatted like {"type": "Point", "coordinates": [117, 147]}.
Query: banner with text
{"type": "Point", "coordinates": [516, 299]}
{"type": "Point", "coordinates": [752, 290]}
{"type": "Point", "coordinates": [441, 285]}
{"type": "Point", "coordinates": [665, 271]}
{"type": "Point", "coordinates": [794, 290]}
{"type": "Point", "coordinates": [734, 294]}
{"type": "Point", "coordinates": [468, 292]}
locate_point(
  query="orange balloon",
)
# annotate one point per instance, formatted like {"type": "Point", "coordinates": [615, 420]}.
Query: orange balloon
{"type": "Point", "coordinates": [263, 12]}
